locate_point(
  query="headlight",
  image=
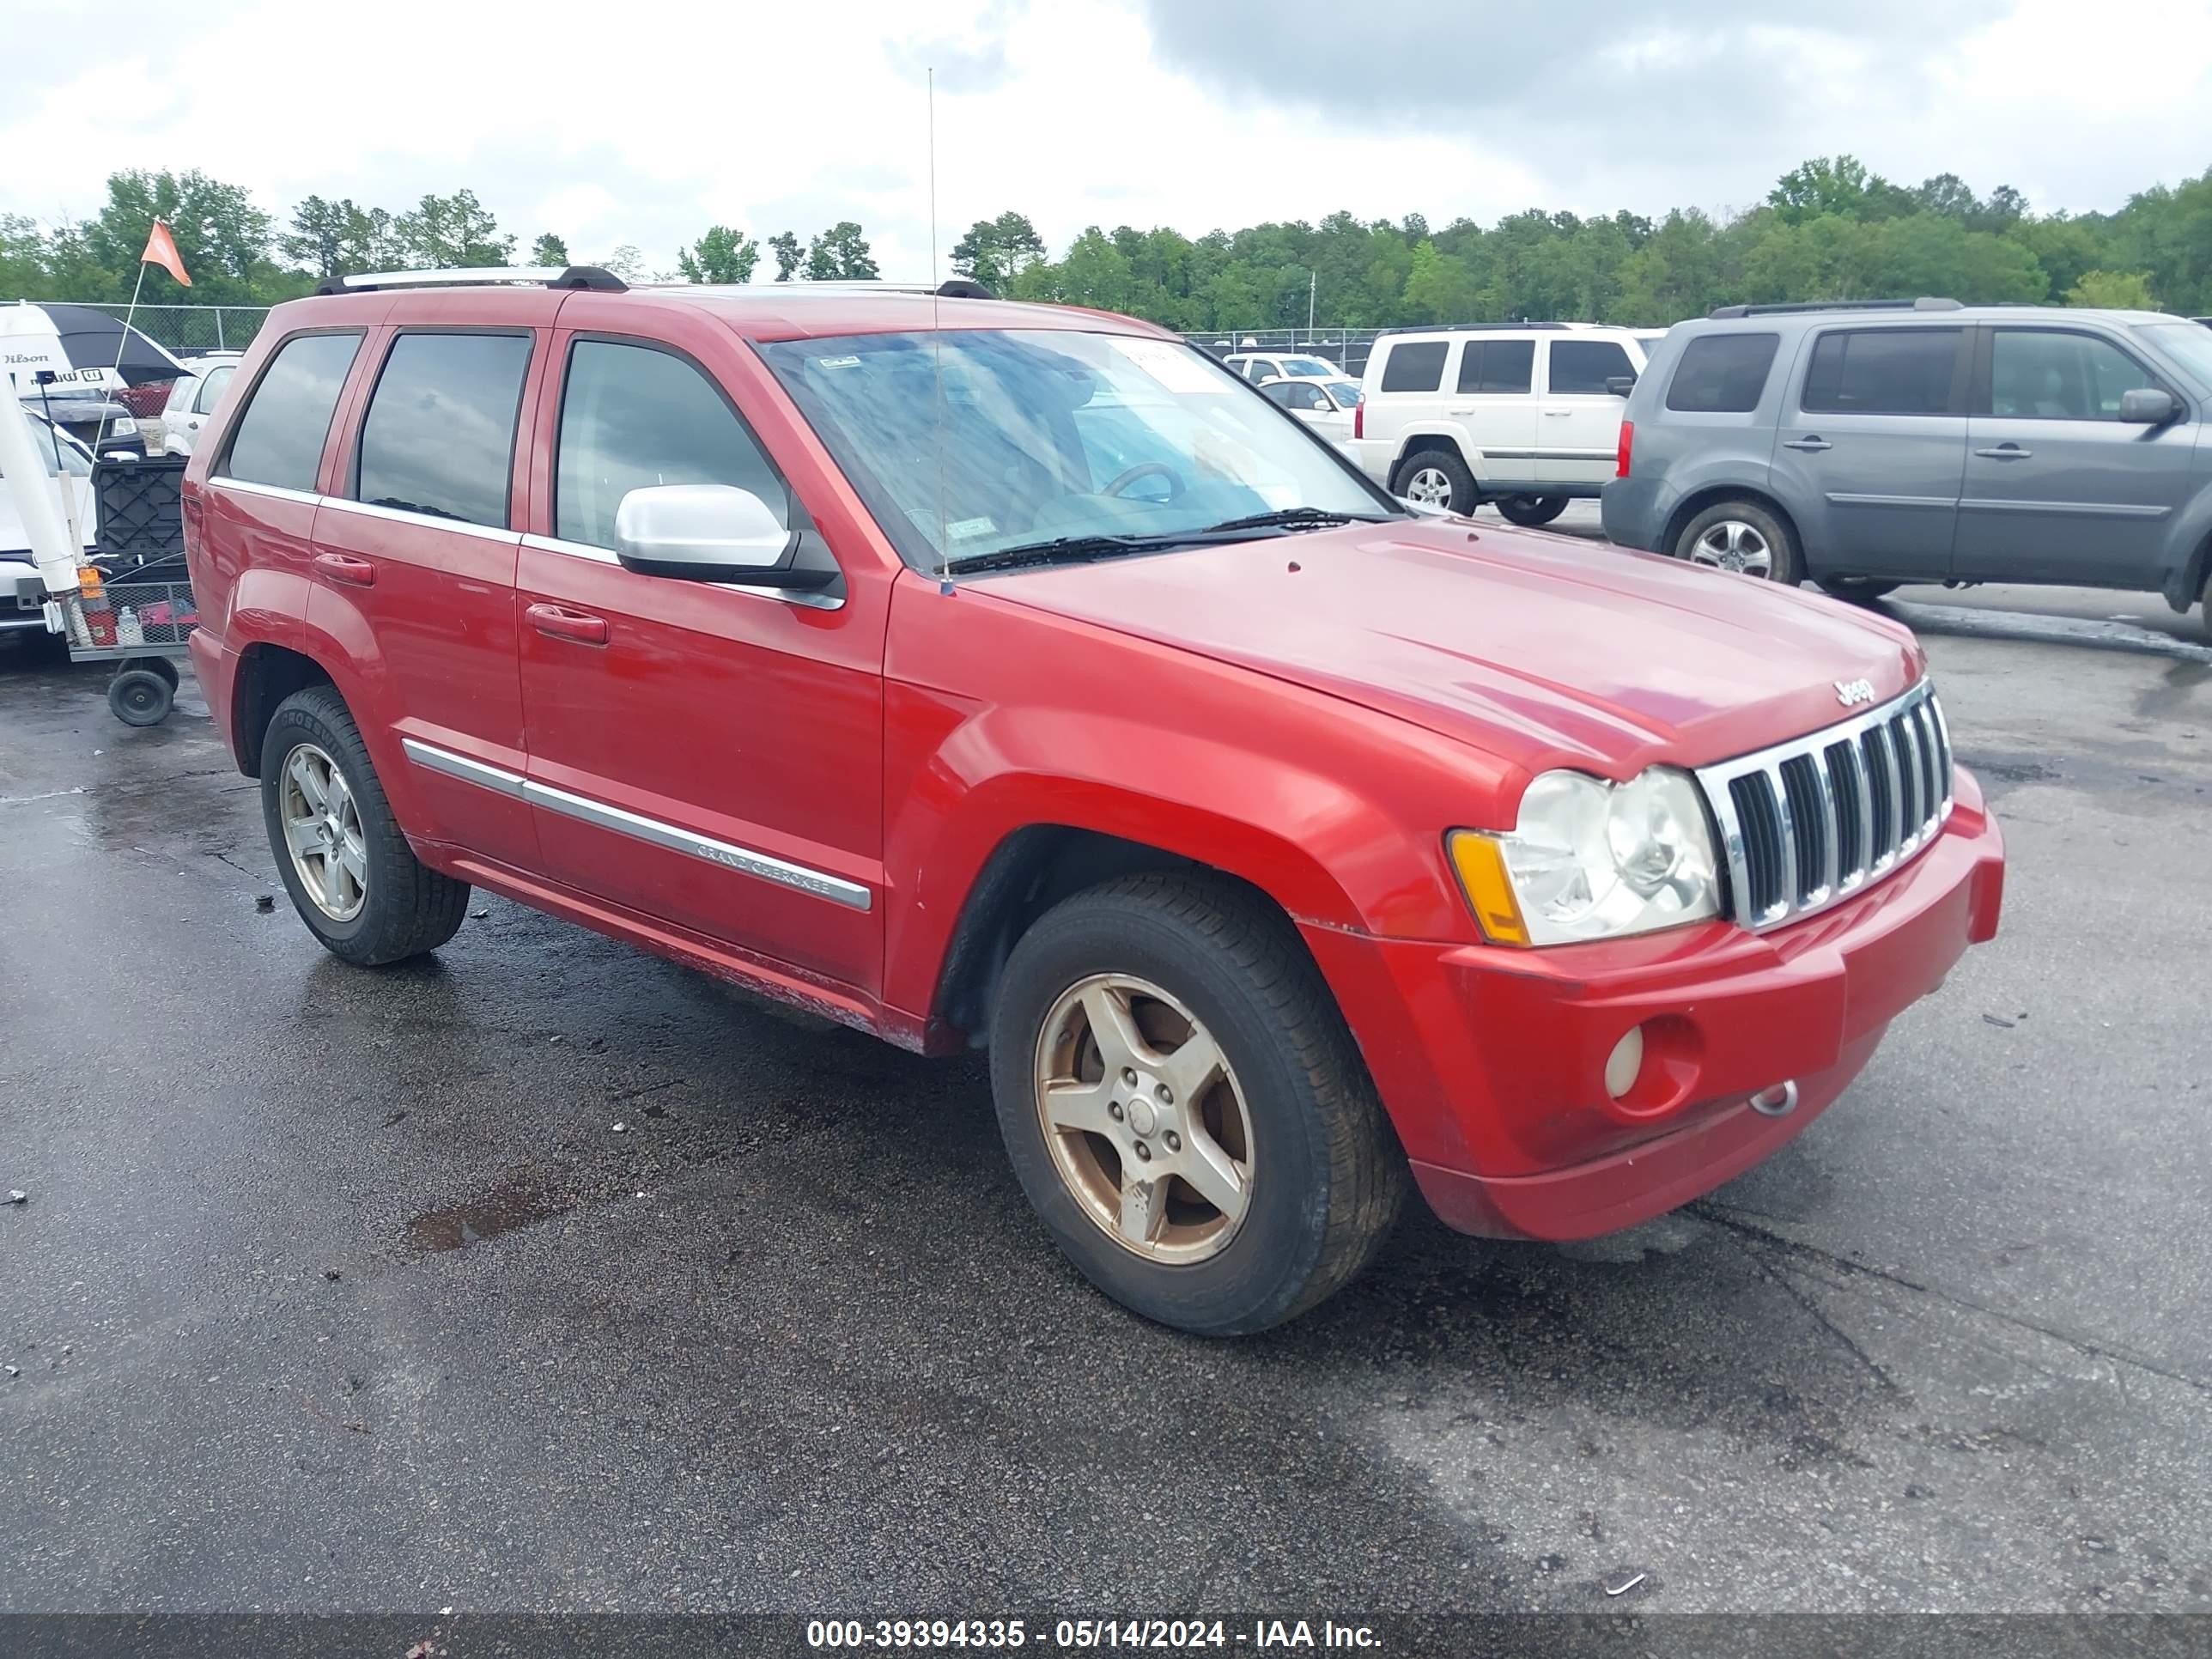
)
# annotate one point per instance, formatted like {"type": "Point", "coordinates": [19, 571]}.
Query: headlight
{"type": "Point", "coordinates": [1591, 860]}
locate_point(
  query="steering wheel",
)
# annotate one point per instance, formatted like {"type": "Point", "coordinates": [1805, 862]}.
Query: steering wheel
{"type": "Point", "coordinates": [1119, 484]}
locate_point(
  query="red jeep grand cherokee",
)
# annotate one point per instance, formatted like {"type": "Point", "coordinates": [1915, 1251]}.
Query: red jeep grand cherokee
{"type": "Point", "coordinates": [989, 675]}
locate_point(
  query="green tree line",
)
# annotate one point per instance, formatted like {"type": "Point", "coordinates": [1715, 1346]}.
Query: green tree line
{"type": "Point", "coordinates": [1829, 229]}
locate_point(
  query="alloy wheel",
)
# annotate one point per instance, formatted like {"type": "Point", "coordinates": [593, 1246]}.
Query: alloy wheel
{"type": "Point", "coordinates": [1428, 487]}
{"type": "Point", "coordinates": [1732, 544]}
{"type": "Point", "coordinates": [1144, 1120]}
{"type": "Point", "coordinates": [322, 832]}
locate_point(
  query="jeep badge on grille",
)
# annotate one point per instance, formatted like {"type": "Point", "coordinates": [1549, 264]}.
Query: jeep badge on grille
{"type": "Point", "coordinates": [1850, 693]}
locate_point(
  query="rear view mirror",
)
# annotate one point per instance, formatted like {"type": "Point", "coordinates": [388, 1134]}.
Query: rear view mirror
{"type": "Point", "coordinates": [2149, 405]}
{"type": "Point", "coordinates": [1620, 385]}
{"type": "Point", "coordinates": [716, 533]}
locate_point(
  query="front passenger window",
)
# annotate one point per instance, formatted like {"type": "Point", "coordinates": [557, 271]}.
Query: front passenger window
{"type": "Point", "coordinates": [633, 417]}
{"type": "Point", "coordinates": [2054, 376]}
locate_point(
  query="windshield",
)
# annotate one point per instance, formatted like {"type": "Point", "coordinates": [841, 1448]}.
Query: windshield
{"type": "Point", "coordinates": [2189, 344]}
{"type": "Point", "coordinates": [1047, 434]}
{"type": "Point", "coordinates": [76, 459]}
{"type": "Point", "coordinates": [1346, 393]}
{"type": "Point", "coordinates": [1310, 368]}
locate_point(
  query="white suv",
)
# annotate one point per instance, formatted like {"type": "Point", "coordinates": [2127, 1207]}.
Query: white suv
{"type": "Point", "coordinates": [192, 399]}
{"type": "Point", "coordinates": [1258, 366]}
{"type": "Point", "coordinates": [1526, 415]}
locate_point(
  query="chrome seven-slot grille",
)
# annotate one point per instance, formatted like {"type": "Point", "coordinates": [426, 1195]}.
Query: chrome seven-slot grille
{"type": "Point", "coordinates": [1808, 823]}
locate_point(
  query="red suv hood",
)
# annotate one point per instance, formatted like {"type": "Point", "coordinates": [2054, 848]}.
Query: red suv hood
{"type": "Point", "coordinates": [1539, 649]}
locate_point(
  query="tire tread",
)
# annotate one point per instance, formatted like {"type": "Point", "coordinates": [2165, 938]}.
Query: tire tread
{"type": "Point", "coordinates": [1367, 1177]}
{"type": "Point", "coordinates": [419, 909]}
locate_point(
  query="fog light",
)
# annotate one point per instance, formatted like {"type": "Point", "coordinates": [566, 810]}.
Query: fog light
{"type": "Point", "coordinates": [1624, 1063]}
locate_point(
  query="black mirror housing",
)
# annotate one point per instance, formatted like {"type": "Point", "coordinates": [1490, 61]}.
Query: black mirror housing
{"type": "Point", "coordinates": [1620, 385]}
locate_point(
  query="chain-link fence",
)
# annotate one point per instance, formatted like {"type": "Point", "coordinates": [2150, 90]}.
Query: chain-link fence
{"type": "Point", "coordinates": [194, 328]}
{"type": "Point", "coordinates": [1347, 347]}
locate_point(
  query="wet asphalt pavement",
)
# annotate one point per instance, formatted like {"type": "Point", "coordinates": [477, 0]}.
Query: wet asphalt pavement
{"type": "Point", "coordinates": [338, 1289]}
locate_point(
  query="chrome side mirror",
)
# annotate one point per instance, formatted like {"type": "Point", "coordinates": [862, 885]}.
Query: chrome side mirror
{"type": "Point", "coordinates": [714, 533]}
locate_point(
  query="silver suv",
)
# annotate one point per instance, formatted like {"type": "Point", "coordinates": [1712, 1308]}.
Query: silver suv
{"type": "Point", "coordinates": [1920, 441]}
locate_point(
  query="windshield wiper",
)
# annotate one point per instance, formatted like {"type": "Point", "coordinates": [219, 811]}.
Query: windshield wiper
{"type": "Point", "coordinates": [1070, 548]}
{"type": "Point", "coordinates": [1293, 518]}
{"type": "Point", "coordinates": [1107, 547]}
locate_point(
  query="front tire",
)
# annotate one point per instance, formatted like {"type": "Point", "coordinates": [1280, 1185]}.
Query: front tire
{"type": "Point", "coordinates": [1744, 536]}
{"type": "Point", "coordinates": [1530, 512]}
{"type": "Point", "coordinates": [1185, 1108]}
{"type": "Point", "coordinates": [1436, 477]}
{"type": "Point", "coordinates": [342, 856]}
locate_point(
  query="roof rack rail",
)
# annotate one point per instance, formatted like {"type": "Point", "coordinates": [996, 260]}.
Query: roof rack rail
{"type": "Point", "coordinates": [955, 287]}
{"type": "Point", "coordinates": [1926, 302]}
{"type": "Point", "coordinates": [1483, 328]}
{"type": "Point", "coordinates": [578, 276]}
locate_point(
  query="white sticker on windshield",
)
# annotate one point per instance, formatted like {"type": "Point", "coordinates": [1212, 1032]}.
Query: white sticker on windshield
{"type": "Point", "coordinates": [1177, 367]}
{"type": "Point", "coordinates": [838, 362]}
{"type": "Point", "coordinates": [963, 529]}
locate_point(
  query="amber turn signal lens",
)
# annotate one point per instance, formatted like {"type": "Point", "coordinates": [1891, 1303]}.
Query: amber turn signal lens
{"type": "Point", "coordinates": [1481, 863]}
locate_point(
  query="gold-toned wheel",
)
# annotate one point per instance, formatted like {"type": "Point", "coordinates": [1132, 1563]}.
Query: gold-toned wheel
{"type": "Point", "coordinates": [1144, 1120]}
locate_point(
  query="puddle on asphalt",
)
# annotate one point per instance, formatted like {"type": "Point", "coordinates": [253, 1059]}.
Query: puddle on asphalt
{"type": "Point", "coordinates": [503, 1210]}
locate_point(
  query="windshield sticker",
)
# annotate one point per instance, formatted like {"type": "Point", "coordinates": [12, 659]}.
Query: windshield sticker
{"type": "Point", "coordinates": [838, 362]}
{"type": "Point", "coordinates": [1177, 367]}
{"type": "Point", "coordinates": [963, 529]}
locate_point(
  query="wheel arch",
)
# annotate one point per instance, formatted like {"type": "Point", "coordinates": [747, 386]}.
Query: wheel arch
{"type": "Point", "coordinates": [1414, 443]}
{"type": "Point", "coordinates": [1030, 870]}
{"type": "Point", "coordinates": [267, 673]}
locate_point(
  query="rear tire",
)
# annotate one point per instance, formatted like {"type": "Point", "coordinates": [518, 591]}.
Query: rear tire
{"type": "Point", "coordinates": [1436, 477]}
{"type": "Point", "coordinates": [374, 902]}
{"type": "Point", "coordinates": [1530, 512]}
{"type": "Point", "coordinates": [1745, 537]}
{"type": "Point", "coordinates": [1857, 590]}
{"type": "Point", "coordinates": [1189, 960]}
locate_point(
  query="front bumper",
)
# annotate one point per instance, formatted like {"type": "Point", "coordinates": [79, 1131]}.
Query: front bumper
{"type": "Point", "coordinates": [1492, 1060]}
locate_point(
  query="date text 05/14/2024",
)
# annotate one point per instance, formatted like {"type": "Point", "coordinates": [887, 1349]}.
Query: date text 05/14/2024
{"type": "Point", "coordinates": [1155, 1634]}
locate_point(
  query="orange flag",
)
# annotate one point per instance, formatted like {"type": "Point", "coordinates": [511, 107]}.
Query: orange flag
{"type": "Point", "coordinates": [161, 250]}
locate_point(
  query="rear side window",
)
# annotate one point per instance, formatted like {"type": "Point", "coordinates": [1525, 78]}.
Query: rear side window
{"type": "Point", "coordinates": [1497, 366]}
{"type": "Point", "coordinates": [1869, 371]}
{"type": "Point", "coordinates": [1722, 373]}
{"type": "Point", "coordinates": [280, 435]}
{"type": "Point", "coordinates": [440, 434]}
{"type": "Point", "coordinates": [631, 417]}
{"type": "Point", "coordinates": [1581, 367]}
{"type": "Point", "coordinates": [1415, 366]}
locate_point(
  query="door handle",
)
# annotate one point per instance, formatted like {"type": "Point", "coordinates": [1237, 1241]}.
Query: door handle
{"type": "Point", "coordinates": [344, 568]}
{"type": "Point", "coordinates": [2005, 452]}
{"type": "Point", "coordinates": [1556, 413]}
{"type": "Point", "coordinates": [1807, 445]}
{"type": "Point", "coordinates": [556, 622]}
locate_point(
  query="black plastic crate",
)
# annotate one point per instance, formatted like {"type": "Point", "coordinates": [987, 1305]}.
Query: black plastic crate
{"type": "Point", "coordinates": [139, 507]}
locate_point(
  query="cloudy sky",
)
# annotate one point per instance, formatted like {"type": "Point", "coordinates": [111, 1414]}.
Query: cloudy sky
{"type": "Point", "coordinates": [643, 125]}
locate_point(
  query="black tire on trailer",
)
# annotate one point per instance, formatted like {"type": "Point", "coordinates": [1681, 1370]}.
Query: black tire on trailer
{"type": "Point", "coordinates": [1530, 512]}
{"type": "Point", "coordinates": [139, 697]}
{"type": "Point", "coordinates": [1282, 1126]}
{"type": "Point", "coordinates": [353, 879]}
{"type": "Point", "coordinates": [161, 665]}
